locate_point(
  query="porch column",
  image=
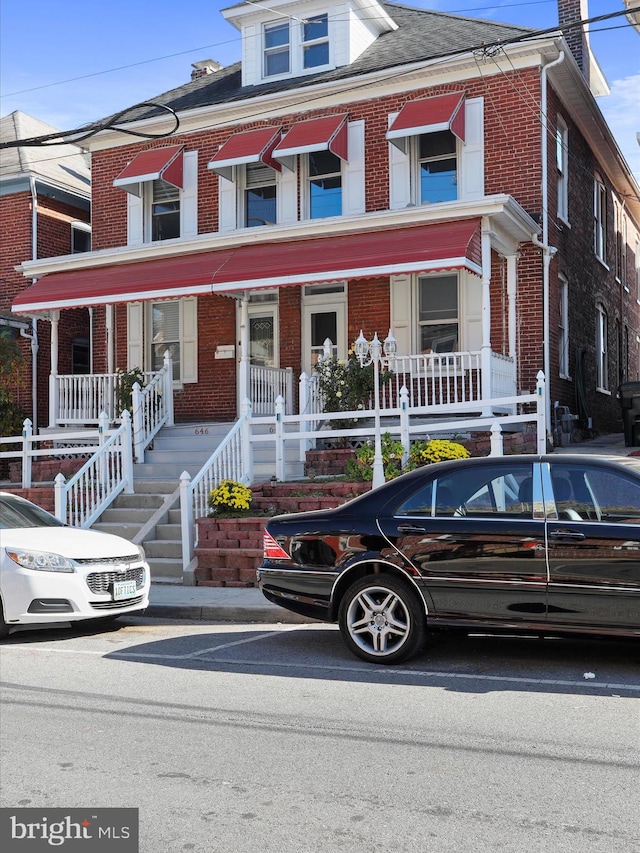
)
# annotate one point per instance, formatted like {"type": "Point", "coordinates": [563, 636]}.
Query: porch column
{"type": "Point", "coordinates": [512, 289]}
{"type": "Point", "coordinates": [244, 383]}
{"type": "Point", "coordinates": [53, 375]}
{"type": "Point", "coordinates": [485, 350]}
{"type": "Point", "coordinates": [109, 327]}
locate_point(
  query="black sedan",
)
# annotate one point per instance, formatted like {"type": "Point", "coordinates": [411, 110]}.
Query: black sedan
{"type": "Point", "coordinates": [542, 544]}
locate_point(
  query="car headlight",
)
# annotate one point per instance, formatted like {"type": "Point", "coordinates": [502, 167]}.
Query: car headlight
{"type": "Point", "coordinates": [143, 556]}
{"type": "Point", "coordinates": [40, 561]}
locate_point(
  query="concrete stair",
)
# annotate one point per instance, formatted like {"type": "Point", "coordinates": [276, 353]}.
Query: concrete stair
{"type": "Point", "coordinates": [151, 518]}
{"type": "Point", "coordinates": [187, 447]}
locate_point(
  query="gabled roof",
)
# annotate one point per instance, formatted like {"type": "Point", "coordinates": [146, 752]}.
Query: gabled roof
{"type": "Point", "coordinates": [65, 166]}
{"type": "Point", "coordinates": [421, 35]}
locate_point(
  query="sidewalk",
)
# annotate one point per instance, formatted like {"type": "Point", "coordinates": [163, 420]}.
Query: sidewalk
{"type": "Point", "coordinates": [219, 604]}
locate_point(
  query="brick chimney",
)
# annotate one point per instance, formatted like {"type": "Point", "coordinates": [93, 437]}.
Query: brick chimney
{"type": "Point", "coordinates": [577, 38]}
{"type": "Point", "coordinates": [204, 68]}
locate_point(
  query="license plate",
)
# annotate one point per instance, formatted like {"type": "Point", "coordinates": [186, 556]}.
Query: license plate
{"type": "Point", "coordinates": [124, 589]}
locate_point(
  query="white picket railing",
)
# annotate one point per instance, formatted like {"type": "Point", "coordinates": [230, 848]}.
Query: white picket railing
{"type": "Point", "coordinates": [267, 384]}
{"type": "Point", "coordinates": [152, 407]}
{"type": "Point", "coordinates": [231, 460]}
{"type": "Point", "coordinates": [28, 447]}
{"type": "Point", "coordinates": [85, 496]}
{"type": "Point", "coordinates": [81, 398]}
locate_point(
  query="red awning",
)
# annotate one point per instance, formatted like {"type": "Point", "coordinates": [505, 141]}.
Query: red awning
{"type": "Point", "coordinates": [428, 115]}
{"type": "Point", "coordinates": [413, 249]}
{"type": "Point", "coordinates": [316, 134]}
{"type": "Point", "coordinates": [164, 164]}
{"type": "Point", "coordinates": [249, 146]}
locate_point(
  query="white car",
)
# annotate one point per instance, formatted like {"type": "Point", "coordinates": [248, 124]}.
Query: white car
{"type": "Point", "coordinates": [51, 573]}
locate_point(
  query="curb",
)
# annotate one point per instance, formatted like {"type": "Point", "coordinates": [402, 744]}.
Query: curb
{"type": "Point", "coordinates": [227, 613]}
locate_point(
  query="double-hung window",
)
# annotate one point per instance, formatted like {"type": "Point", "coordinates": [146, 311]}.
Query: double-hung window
{"type": "Point", "coordinates": [277, 50]}
{"type": "Point", "coordinates": [315, 41]}
{"type": "Point", "coordinates": [437, 167]}
{"type": "Point", "coordinates": [438, 324]}
{"type": "Point", "coordinates": [259, 195]}
{"type": "Point", "coordinates": [600, 219]}
{"type": "Point", "coordinates": [80, 237]}
{"type": "Point", "coordinates": [562, 157]}
{"type": "Point", "coordinates": [325, 185]}
{"type": "Point", "coordinates": [602, 352]}
{"type": "Point", "coordinates": [563, 330]}
{"type": "Point", "coordinates": [163, 211]}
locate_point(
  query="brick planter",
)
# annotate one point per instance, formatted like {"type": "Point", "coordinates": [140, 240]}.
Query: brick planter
{"type": "Point", "coordinates": [328, 463]}
{"type": "Point", "coordinates": [230, 549]}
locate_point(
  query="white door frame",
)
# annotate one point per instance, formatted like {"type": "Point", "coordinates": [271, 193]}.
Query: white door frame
{"type": "Point", "coordinates": [323, 303]}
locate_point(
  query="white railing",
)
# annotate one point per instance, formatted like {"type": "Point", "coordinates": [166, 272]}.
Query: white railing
{"type": "Point", "coordinates": [269, 383]}
{"type": "Point", "coordinates": [503, 375]}
{"type": "Point", "coordinates": [433, 379]}
{"type": "Point", "coordinates": [85, 496]}
{"type": "Point", "coordinates": [80, 443]}
{"type": "Point", "coordinates": [152, 407]}
{"type": "Point", "coordinates": [231, 460]}
{"type": "Point", "coordinates": [80, 399]}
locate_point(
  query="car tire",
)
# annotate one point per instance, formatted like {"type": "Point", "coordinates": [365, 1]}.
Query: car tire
{"type": "Point", "coordinates": [382, 619]}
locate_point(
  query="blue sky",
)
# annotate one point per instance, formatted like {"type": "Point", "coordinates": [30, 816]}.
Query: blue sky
{"type": "Point", "coordinates": [74, 61]}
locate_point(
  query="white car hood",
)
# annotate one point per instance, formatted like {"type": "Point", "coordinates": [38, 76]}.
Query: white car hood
{"type": "Point", "coordinates": [71, 542]}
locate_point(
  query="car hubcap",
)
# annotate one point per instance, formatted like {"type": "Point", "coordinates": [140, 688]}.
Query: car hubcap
{"type": "Point", "coordinates": [378, 621]}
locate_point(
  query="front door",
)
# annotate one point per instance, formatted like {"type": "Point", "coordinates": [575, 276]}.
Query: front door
{"type": "Point", "coordinates": [324, 316]}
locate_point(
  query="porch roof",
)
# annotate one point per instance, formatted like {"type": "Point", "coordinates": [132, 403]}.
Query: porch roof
{"type": "Point", "coordinates": [413, 249]}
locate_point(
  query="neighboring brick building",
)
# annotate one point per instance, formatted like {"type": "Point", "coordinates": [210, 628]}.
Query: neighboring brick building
{"type": "Point", "coordinates": [367, 166]}
{"type": "Point", "coordinates": [44, 211]}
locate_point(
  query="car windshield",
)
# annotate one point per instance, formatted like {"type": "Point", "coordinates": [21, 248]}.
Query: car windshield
{"type": "Point", "coordinates": [15, 513]}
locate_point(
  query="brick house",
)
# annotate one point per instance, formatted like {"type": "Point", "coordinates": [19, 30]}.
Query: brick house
{"type": "Point", "coordinates": [45, 211]}
{"type": "Point", "coordinates": [367, 165]}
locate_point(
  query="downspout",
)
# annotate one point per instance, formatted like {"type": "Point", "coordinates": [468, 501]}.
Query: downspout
{"type": "Point", "coordinates": [547, 251]}
{"type": "Point", "coordinates": [33, 337]}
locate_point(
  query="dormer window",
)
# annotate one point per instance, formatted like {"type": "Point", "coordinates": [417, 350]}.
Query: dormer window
{"type": "Point", "coordinates": [315, 41]}
{"type": "Point", "coordinates": [293, 47]}
{"type": "Point", "coordinates": [276, 49]}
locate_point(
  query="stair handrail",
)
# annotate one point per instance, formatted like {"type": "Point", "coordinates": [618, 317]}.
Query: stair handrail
{"type": "Point", "coordinates": [152, 407]}
{"type": "Point", "coordinates": [83, 498]}
{"type": "Point", "coordinates": [231, 460]}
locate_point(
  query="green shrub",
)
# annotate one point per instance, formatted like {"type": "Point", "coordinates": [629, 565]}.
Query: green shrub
{"type": "Point", "coordinates": [360, 468]}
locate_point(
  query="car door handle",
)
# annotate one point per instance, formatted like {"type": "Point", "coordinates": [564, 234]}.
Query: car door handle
{"type": "Point", "coordinates": [411, 528]}
{"type": "Point", "coordinates": [566, 534]}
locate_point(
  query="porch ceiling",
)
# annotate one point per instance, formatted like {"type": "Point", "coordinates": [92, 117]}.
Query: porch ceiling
{"type": "Point", "coordinates": [415, 249]}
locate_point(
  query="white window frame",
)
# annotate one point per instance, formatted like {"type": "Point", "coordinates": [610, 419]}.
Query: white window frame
{"type": "Point", "coordinates": [305, 185]}
{"type": "Point", "coordinates": [242, 193]}
{"type": "Point", "coordinates": [306, 43]}
{"type": "Point", "coordinates": [416, 160]}
{"type": "Point", "coordinates": [602, 351]}
{"type": "Point", "coordinates": [420, 324]}
{"type": "Point", "coordinates": [562, 162]}
{"type": "Point", "coordinates": [600, 219]}
{"type": "Point", "coordinates": [84, 228]}
{"type": "Point", "coordinates": [148, 203]}
{"type": "Point", "coordinates": [563, 329]}
{"type": "Point", "coordinates": [181, 378]}
{"type": "Point", "coordinates": [296, 45]}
